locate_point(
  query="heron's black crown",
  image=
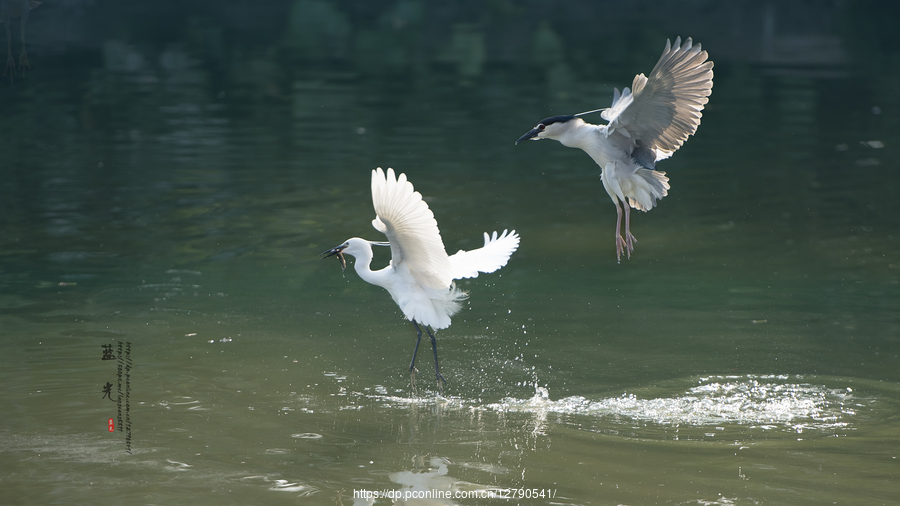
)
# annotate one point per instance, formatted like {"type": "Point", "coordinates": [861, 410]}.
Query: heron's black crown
{"type": "Point", "coordinates": [556, 119]}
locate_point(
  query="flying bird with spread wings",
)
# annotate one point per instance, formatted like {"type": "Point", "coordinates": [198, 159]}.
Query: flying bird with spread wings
{"type": "Point", "coordinates": [420, 275]}
{"type": "Point", "coordinates": [646, 124]}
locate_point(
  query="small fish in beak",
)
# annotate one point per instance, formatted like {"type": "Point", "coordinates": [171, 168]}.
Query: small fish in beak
{"type": "Point", "coordinates": [339, 253]}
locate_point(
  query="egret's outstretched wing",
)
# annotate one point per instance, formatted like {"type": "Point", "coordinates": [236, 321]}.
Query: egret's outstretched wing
{"type": "Point", "coordinates": [411, 229]}
{"type": "Point", "coordinates": [488, 258]}
{"type": "Point", "coordinates": [662, 111]}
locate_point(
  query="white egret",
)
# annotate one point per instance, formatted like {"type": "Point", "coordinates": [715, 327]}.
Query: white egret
{"type": "Point", "coordinates": [645, 125]}
{"type": "Point", "coordinates": [420, 275]}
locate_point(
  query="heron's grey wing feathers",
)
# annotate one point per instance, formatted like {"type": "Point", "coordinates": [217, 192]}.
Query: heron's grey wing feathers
{"type": "Point", "coordinates": [410, 227]}
{"type": "Point", "coordinates": [488, 258]}
{"type": "Point", "coordinates": [619, 104]}
{"type": "Point", "coordinates": [665, 109]}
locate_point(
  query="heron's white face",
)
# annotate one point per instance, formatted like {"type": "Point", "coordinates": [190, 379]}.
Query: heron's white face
{"type": "Point", "coordinates": [540, 132]}
{"type": "Point", "coordinates": [556, 130]}
{"type": "Point", "coordinates": [550, 128]}
{"type": "Point", "coordinates": [355, 246]}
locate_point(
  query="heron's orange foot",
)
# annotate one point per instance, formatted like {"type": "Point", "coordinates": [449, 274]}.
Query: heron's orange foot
{"type": "Point", "coordinates": [630, 241]}
{"type": "Point", "coordinates": [621, 247]}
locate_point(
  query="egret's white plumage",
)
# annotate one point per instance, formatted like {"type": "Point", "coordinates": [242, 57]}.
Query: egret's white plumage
{"type": "Point", "coordinates": [420, 275]}
{"type": "Point", "coordinates": [646, 123]}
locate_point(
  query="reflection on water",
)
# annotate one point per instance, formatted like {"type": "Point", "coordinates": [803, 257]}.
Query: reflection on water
{"type": "Point", "coordinates": [425, 479]}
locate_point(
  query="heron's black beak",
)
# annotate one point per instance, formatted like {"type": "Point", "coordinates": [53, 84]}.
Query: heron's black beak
{"type": "Point", "coordinates": [339, 252]}
{"type": "Point", "coordinates": [531, 134]}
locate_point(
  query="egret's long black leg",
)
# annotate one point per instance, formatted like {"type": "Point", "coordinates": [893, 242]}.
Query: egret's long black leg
{"type": "Point", "coordinates": [412, 363]}
{"type": "Point", "coordinates": [437, 369]}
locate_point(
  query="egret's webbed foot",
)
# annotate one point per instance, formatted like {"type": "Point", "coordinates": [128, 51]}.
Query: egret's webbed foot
{"type": "Point", "coordinates": [440, 382]}
{"type": "Point", "coordinates": [412, 380]}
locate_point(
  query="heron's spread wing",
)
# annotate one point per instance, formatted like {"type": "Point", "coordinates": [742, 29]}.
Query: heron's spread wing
{"type": "Point", "coordinates": [411, 229]}
{"type": "Point", "coordinates": [490, 257]}
{"type": "Point", "coordinates": [662, 111]}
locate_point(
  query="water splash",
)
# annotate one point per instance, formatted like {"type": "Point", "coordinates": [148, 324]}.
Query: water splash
{"type": "Point", "coordinates": [764, 402]}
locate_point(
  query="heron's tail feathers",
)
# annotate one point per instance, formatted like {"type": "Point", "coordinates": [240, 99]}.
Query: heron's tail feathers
{"type": "Point", "coordinates": [649, 186]}
{"type": "Point", "coordinates": [436, 310]}
{"type": "Point", "coordinates": [453, 303]}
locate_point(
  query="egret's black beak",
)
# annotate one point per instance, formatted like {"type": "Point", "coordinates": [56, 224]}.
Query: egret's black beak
{"type": "Point", "coordinates": [531, 134]}
{"type": "Point", "coordinates": [336, 252]}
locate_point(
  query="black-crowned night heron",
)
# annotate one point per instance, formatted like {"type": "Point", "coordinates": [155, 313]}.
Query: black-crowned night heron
{"type": "Point", "coordinates": [645, 125]}
{"type": "Point", "coordinates": [420, 275]}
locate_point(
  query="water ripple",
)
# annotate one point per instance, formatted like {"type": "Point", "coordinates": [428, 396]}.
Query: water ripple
{"type": "Point", "coordinates": [307, 435]}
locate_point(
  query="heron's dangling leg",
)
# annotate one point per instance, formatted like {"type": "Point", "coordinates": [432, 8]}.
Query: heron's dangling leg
{"type": "Point", "coordinates": [630, 241]}
{"type": "Point", "coordinates": [620, 243]}
{"type": "Point", "coordinates": [437, 369]}
{"type": "Point", "coordinates": [412, 363]}
{"type": "Point", "coordinates": [607, 176]}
